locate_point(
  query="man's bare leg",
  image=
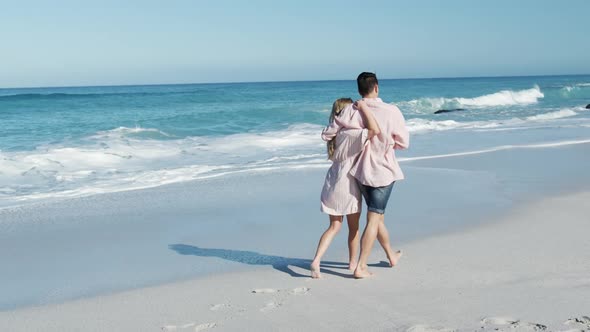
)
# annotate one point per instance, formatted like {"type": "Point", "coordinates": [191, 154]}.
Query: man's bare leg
{"type": "Point", "coordinates": [383, 238]}
{"type": "Point", "coordinates": [367, 241]}
{"type": "Point", "coordinates": [325, 240]}
{"type": "Point", "coordinates": [353, 239]}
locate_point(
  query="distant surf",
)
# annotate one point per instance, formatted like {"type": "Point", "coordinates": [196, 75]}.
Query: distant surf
{"type": "Point", "coordinates": [500, 98]}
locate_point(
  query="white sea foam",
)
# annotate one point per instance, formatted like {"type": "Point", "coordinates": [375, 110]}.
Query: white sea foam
{"type": "Point", "coordinates": [500, 98]}
{"type": "Point", "coordinates": [418, 125]}
{"type": "Point", "coordinates": [158, 177]}
{"type": "Point", "coordinates": [564, 113]}
{"type": "Point", "coordinates": [506, 97]}
{"type": "Point", "coordinates": [578, 89]}
{"type": "Point", "coordinates": [499, 148]}
{"type": "Point", "coordinates": [116, 160]}
{"type": "Point", "coordinates": [295, 136]}
{"type": "Point", "coordinates": [568, 90]}
{"type": "Point", "coordinates": [131, 132]}
{"type": "Point", "coordinates": [325, 110]}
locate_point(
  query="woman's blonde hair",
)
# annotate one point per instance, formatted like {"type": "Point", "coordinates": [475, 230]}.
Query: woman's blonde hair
{"type": "Point", "coordinates": [337, 107]}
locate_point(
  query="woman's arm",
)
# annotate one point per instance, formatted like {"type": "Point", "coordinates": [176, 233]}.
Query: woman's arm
{"type": "Point", "coordinates": [368, 118]}
{"type": "Point", "coordinates": [331, 130]}
{"type": "Point", "coordinates": [348, 119]}
{"type": "Point", "coordinates": [341, 121]}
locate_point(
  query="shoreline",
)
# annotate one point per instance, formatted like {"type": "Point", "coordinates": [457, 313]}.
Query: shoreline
{"type": "Point", "coordinates": [320, 164]}
{"type": "Point", "coordinates": [489, 279]}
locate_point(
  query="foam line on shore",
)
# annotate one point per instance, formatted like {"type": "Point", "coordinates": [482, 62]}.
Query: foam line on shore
{"type": "Point", "coordinates": [184, 174]}
{"type": "Point", "coordinates": [499, 148]}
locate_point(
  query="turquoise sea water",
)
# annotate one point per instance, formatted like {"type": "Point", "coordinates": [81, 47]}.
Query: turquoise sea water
{"type": "Point", "coordinates": [68, 142]}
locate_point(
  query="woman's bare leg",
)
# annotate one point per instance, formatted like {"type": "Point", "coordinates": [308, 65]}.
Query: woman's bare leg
{"type": "Point", "coordinates": [353, 239]}
{"type": "Point", "coordinates": [325, 240]}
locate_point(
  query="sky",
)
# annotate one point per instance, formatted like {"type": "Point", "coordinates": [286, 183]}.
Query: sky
{"type": "Point", "coordinates": [71, 43]}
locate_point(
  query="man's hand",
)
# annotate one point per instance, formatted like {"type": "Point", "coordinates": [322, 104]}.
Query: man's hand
{"type": "Point", "coordinates": [368, 118]}
{"type": "Point", "coordinates": [360, 104]}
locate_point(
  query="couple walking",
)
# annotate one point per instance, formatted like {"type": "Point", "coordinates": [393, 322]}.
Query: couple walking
{"type": "Point", "coordinates": [362, 137]}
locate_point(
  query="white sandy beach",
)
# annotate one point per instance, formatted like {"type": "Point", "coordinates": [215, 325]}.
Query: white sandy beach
{"type": "Point", "coordinates": [528, 271]}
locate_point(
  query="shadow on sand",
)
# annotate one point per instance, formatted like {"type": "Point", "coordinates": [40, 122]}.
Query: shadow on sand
{"type": "Point", "coordinates": [253, 258]}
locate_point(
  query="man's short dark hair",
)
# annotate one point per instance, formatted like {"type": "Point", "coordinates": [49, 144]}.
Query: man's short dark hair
{"type": "Point", "coordinates": [366, 83]}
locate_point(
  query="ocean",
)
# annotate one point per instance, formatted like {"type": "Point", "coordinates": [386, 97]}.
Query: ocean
{"type": "Point", "coordinates": [79, 141]}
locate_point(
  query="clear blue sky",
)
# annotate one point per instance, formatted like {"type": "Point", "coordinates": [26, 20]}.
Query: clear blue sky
{"type": "Point", "coordinates": [57, 43]}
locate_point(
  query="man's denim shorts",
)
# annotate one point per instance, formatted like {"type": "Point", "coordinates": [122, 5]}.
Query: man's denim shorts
{"type": "Point", "coordinates": [376, 197]}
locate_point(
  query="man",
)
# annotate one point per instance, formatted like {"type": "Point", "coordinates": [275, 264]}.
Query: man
{"type": "Point", "coordinates": [377, 169]}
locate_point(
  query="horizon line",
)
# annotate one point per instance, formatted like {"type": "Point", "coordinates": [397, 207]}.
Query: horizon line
{"type": "Point", "coordinates": [283, 81]}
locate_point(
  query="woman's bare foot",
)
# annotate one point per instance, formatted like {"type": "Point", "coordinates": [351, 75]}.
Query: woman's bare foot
{"type": "Point", "coordinates": [362, 272]}
{"type": "Point", "coordinates": [394, 257]}
{"type": "Point", "coordinates": [315, 270]}
{"type": "Point", "coordinates": [352, 264]}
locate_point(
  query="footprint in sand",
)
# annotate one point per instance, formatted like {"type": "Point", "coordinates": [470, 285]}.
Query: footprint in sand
{"type": "Point", "coordinates": [203, 327]}
{"type": "Point", "coordinates": [265, 291]}
{"type": "Point", "coordinates": [270, 306]}
{"type": "Point", "coordinates": [580, 323]}
{"type": "Point", "coordinates": [194, 326]}
{"type": "Point", "coordinates": [177, 327]}
{"type": "Point", "coordinates": [531, 326]}
{"type": "Point", "coordinates": [428, 328]}
{"type": "Point", "coordinates": [513, 323]}
{"type": "Point", "coordinates": [584, 320]}
{"type": "Point", "coordinates": [300, 290]}
{"type": "Point", "coordinates": [282, 294]}
{"type": "Point", "coordinates": [296, 291]}
{"type": "Point", "coordinates": [220, 306]}
{"type": "Point", "coordinates": [499, 321]}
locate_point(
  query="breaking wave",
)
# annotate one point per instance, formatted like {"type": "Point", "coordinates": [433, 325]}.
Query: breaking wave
{"type": "Point", "coordinates": [500, 98]}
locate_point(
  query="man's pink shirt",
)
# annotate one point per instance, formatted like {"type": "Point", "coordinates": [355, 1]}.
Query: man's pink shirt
{"type": "Point", "coordinates": [377, 165]}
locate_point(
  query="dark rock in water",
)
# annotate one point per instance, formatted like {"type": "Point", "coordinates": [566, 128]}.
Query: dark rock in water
{"type": "Point", "coordinates": [452, 110]}
{"type": "Point", "coordinates": [588, 106]}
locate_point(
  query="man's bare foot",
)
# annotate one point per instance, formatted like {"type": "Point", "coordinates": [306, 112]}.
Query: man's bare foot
{"type": "Point", "coordinates": [394, 257]}
{"type": "Point", "coordinates": [360, 273]}
{"type": "Point", "coordinates": [315, 270]}
{"type": "Point", "coordinates": [352, 265]}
